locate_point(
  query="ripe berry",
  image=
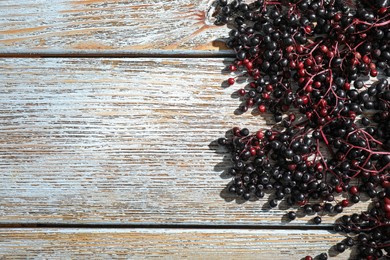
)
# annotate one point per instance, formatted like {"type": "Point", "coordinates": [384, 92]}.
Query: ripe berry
{"type": "Point", "coordinates": [317, 220]}
{"type": "Point", "coordinates": [222, 141]}
{"type": "Point", "coordinates": [292, 215]}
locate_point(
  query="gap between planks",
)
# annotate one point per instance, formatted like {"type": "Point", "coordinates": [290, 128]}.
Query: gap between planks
{"type": "Point", "coordinates": [116, 54]}
{"type": "Point", "coordinates": [168, 226]}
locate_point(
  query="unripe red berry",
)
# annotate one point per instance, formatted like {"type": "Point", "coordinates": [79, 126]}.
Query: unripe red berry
{"type": "Point", "coordinates": [260, 135]}
{"type": "Point", "coordinates": [232, 68]}
{"type": "Point", "coordinates": [241, 92]}
{"type": "Point", "coordinates": [302, 72]}
{"type": "Point", "coordinates": [252, 151]}
{"type": "Point", "coordinates": [337, 17]}
{"type": "Point", "coordinates": [309, 62]}
{"type": "Point", "coordinates": [289, 49]}
{"type": "Point", "coordinates": [305, 100]}
{"type": "Point", "coordinates": [344, 203]}
{"type": "Point", "coordinates": [262, 108]}
{"type": "Point", "coordinates": [353, 190]}
{"type": "Point", "coordinates": [382, 10]}
{"type": "Point", "coordinates": [366, 59]}
{"type": "Point", "coordinates": [324, 49]}
{"type": "Point", "coordinates": [317, 84]}
{"type": "Point", "coordinates": [231, 81]}
{"type": "Point", "coordinates": [308, 88]}
{"type": "Point", "coordinates": [319, 167]}
{"type": "Point", "coordinates": [269, 87]}
{"type": "Point", "coordinates": [308, 29]}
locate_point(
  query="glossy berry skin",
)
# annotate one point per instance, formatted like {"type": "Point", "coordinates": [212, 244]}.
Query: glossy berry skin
{"type": "Point", "coordinates": [222, 141]}
{"type": "Point", "coordinates": [262, 108]}
{"type": "Point", "coordinates": [353, 190]}
{"type": "Point", "coordinates": [349, 241]}
{"type": "Point", "coordinates": [231, 81]}
{"type": "Point", "coordinates": [340, 247]}
{"type": "Point", "coordinates": [317, 220]}
{"type": "Point", "coordinates": [345, 203]}
{"type": "Point", "coordinates": [292, 215]}
{"type": "Point", "coordinates": [273, 203]}
{"type": "Point", "coordinates": [323, 256]}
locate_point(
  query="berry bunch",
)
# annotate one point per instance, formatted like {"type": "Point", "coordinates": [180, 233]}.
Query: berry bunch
{"type": "Point", "coordinates": [307, 63]}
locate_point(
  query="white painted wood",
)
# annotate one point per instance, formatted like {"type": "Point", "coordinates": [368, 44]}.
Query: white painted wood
{"type": "Point", "coordinates": [166, 243]}
{"type": "Point", "coordinates": [120, 141]}
{"type": "Point", "coordinates": [102, 25]}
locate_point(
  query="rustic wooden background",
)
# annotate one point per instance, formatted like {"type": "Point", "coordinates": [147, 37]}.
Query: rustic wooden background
{"type": "Point", "coordinates": [109, 110]}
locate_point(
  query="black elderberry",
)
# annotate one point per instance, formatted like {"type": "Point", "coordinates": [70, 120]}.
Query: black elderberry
{"type": "Point", "coordinates": [338, 208]}
{"type": "Point", "coordinates": [222, 141]}
{"type": "Point", "coordinates": [329, 207]}
{"type": "Point", "coordinates": [292, 215]}
{"type": "Point", "coordinates": [260, 194]}
{"type": "Point", "coordinates": [308, 209]}
{"type": "Point", "coordinates": [358, 84]}
{"type": "Point", "coordinates": [222, 2]}
{"type": "Point", "coordinates": [317, 220]}
{"type": "Point", "coordinates": [273, 203]}
{"type": "Point", "coordinates": [349, 241]}
{"type": "Point", "coordinates": [323, 256]}
{"type": "Point", "coordinates": [340, 247]}
{"type": "Point", "coordinates": [355, 198]}
{"type": "Point", "coordinates": [246, 196]}
{"type": "Point", "coordinates": [365, 121]}
{"type": "Point", "coordinates": [317, 207]}
{"type": "Point", "coordinates": [338, 228]}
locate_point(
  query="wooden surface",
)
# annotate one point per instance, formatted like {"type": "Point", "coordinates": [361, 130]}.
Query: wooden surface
{"type": "Point", "coordinates": [164, 243]}
{"type": "Point", "coordinates": [120, 141]}
{"type": "Point", "coordinates": [95, 25]}
{"type": "Point", "coordinates": [113, 157]}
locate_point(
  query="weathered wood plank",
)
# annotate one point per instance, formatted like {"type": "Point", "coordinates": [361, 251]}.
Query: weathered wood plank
{"type": "Point", "coordinates": [120, 141]}
{"type": "Point", "coordinates": [165, 243]}
{"type": "Point", "coordinates": [103, 25]}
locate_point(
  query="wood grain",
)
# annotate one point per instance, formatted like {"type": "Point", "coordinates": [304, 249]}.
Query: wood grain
{"type": "Point", "coordinates": [72, 26]}
{"type": "Point", "coordinates": [121, 141]}
{"type": "Point", "coordinates": [166, 243]}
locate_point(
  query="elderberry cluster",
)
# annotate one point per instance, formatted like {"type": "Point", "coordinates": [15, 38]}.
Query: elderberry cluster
{"type": "Point", "coordinates": [308, 62]}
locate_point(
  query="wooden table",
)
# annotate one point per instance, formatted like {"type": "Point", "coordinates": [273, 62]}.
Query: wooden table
{"type": "Point", "coordinates": [109, 110]}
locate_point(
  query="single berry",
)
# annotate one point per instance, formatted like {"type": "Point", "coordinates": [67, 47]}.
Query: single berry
{"type": "Point", "coordinates": [317, 220]}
